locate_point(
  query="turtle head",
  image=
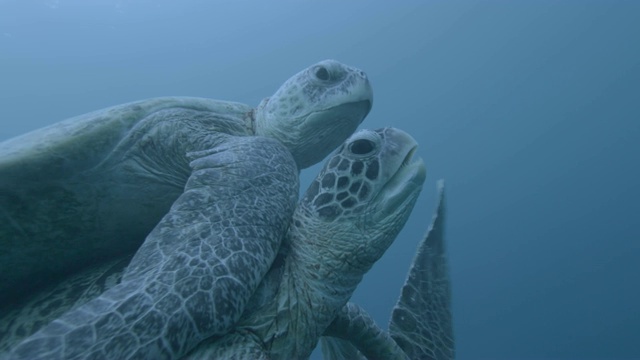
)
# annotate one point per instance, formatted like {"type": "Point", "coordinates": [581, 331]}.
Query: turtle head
{"type": "Point", "coordinates": [316, 110]}
{"type": "Point", "coordinates": [364, 194]}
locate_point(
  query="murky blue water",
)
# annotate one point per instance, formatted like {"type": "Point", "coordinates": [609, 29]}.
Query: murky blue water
{"type": "Point", "coordinates": [529, 110]}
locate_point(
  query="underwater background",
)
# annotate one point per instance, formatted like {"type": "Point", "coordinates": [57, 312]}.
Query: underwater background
{"type": "Point", "coordinates": [530, 110]}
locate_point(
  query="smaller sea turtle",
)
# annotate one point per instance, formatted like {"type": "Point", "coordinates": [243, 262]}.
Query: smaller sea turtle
{"type": "Point", "coordinates": [421, 324]}
{"type": "Point", "coordinates": [346, 220]}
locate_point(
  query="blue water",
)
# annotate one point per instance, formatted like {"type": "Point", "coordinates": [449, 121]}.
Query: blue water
{"type": "Point", "coordinates": [529, 109]}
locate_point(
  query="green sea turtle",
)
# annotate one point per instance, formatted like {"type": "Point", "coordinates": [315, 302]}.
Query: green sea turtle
{"type": "Point", "coordinates": [421, 323]}
{"type": "Point", "coordinates": [346, 220]}
{"type": "Point", "coordinates": [352, 333]}
{"type": "Point", "coordinates": [424, 332]}
{"type": "Point", "coordinates": [227, 197]}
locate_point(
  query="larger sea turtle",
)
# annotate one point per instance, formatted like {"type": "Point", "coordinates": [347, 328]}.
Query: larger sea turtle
{"type": "Point", "coordinates": [421, 323]}
{"type": "Point", "coordinates": [90, 188]}
{"type": "Point", "coordinates": [425, 333]}
{"type": "Point", "coordinates": [346, 220]}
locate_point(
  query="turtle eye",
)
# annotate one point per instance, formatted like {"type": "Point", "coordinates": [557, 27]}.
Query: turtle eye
{"type": "Point", "coordinates": [361, 146]}
{"type": "Point", "coordinates": [322, 73]}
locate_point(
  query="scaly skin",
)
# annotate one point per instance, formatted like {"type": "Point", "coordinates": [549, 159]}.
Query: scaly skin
{"type": "Point", "coordinates": [421, 322]}
{"type": "Point", "coordinates": [51, 303]}
{"type": "Point", "coordinates": [203, 283]}
{"type": "Point", "coordinates": [347, 219]}
{"type": "Point", "coordinates": [353, 330]}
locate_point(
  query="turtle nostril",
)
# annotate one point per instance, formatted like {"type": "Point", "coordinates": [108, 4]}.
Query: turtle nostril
{"type": "Point", "coordinates": [322, 73]}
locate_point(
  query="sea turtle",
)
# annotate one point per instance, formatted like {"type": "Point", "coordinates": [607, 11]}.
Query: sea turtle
{"type": "Point", "coordinates": [424, 330]}
{"type": "Point", "coordinates": [421, 323]}
{"type": "Point", "coordinates": [353, 334]}
{"type": "Point", "coordinates": [346, 220]}
{"type": "Point", "coordinates": [111, 175]}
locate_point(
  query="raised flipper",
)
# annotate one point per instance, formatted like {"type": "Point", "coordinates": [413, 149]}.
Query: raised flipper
{"type": "Point", "coordinates": [230, 221]}
{"type": "Point", "coordinates": [421, 322]}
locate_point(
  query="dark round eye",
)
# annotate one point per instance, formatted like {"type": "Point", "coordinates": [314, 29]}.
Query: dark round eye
{"type": "Point", "coordinates": [361, 147]}
{"type": "Point", "coordinates": [322, 73]}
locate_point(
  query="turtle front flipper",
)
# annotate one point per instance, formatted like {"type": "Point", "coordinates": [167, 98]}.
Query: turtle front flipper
{"type": "Point", "coordinates": [354, 333]}
{"type": "Point", "coordinates": [421, 321]}
{"type": "Point", "coordinates": [221, 236]}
